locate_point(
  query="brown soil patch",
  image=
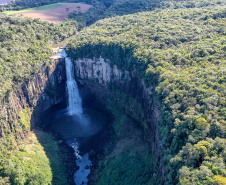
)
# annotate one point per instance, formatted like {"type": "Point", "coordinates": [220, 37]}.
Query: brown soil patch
{"type": "Point", "coordinates": [4, 2]}
{"type": "Point", "coordinates": [58, 14]}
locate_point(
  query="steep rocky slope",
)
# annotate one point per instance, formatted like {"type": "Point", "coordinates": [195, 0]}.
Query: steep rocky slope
{"type": "Point", "coordinates": [35, 96]}
{"type": "Point", "coordinates": [129, 94]}
{"type": "Point", "coordinates": [20, 113]}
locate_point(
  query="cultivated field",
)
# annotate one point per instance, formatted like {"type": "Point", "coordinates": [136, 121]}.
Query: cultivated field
{"type": "Point", "coordinates": [3, 2]}
{"type": "Point", "coordinates": [54, 13]}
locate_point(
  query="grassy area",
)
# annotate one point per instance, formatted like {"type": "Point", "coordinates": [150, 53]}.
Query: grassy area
{"type": "Point", "coordinates": [45, 7]}
{"type": "Point", "coordinates": [128, 168]}
{"type": "Point", "coordinates": [36, 161]}
{"type": "Point", "coordinates": [52, 152]}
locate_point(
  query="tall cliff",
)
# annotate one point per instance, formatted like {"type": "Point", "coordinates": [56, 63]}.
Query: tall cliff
{"type": "Point", "coordinates": [30, 99]}
{"type": "Point", "coordinates": [138, 102]}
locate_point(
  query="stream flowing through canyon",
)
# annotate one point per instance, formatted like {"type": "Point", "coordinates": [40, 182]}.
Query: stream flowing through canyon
{"type": "Point", "coordinates": [79, 127]}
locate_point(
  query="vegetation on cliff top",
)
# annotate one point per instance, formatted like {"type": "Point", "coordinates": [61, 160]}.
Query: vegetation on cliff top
{"type": "Point", "coordinates": [25, 45]}
{"type": "Point", "coordinates": [89, 17]}
{"type": "Point", "coordinates": [182, 53]}
{"type": "Point", "coordinates": [123, 7]}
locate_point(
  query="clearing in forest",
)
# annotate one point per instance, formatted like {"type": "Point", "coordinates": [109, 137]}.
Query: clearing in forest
{"type": "Point", "coordinates": [4, 2]}
{"type": "Point", "coordinates": [53, 13]}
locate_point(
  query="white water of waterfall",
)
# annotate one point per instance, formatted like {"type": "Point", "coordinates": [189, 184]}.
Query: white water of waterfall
{"type": "Point", "coordinates": [75, 108]}
{"type": "Point", "coordinates": [74, 99]}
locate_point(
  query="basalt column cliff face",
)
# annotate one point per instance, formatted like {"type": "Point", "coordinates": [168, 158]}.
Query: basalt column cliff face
{"type": "Point", "coordinates": [103, 79]}
{"type": "Point", "coordinates": [30, 99]}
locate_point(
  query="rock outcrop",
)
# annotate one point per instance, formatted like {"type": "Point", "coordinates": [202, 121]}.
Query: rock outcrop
{"type": "Point", "coordinates": [99, 76]}
{"type": "Point", "coordinates": [36, 95]}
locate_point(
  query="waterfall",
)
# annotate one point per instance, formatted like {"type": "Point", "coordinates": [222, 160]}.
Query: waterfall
{"type": "Point", "coordinates": [74, 99]}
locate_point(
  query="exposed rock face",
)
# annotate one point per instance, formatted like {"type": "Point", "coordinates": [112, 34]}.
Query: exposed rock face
{"type": "Point", "coordinates": [37, 95]}
{"type": "Point", "coordinates": [98, 75]}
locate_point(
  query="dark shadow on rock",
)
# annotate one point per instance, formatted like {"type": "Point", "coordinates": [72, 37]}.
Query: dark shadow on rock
{"type": "Point", "coordinates": [49, 88]}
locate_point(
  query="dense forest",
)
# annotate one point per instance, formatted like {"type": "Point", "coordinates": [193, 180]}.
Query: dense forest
{"type": "Point", "coordinates": [89, 17]}
{"type": "Point", "coordinates": [177, 47]}
{"type": "Point", "coordinates": [181, 52]}
{"type": "Point", "coordinates": [122, 7]}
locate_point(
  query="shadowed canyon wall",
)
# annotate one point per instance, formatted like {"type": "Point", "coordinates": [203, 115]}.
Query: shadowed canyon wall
{"type": "Point", "coordinates": [104, 80]}
{"type": "Point", "coordinates": [98, 80]}
{"type": "Point", "coordinates": [32, 98]}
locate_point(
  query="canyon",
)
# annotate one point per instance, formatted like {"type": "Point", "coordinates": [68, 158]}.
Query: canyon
{"type": "Point", "coordinates": [97, 81]}
{"type": "Point", "coordinates": [136, 97]}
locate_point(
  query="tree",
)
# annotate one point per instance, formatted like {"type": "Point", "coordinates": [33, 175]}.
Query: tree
{"type": "Point", "coordinates": [220, 180]}
{"type": "Point", "coordinates": [78, 8]}
{"type": "Point", "coordinates": [67, 9]}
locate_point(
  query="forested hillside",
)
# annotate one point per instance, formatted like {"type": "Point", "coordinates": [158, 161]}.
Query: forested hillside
{"type": "Point", "coordinates": [181, 52]}
{"type": "Point", "coordinates": [89, 17]}
{"type": "Point", "coordinates": [25, 45]}
{"type": "Point", "coordinates": [122, 7]}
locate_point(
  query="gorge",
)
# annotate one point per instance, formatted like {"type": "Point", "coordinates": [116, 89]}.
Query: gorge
{"type": "Point", "coordinates": [76, 125]}
{"type": "Point", "coordinates": [136, 97]}
{"type": "Point", "coordinates": [82, 124]}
